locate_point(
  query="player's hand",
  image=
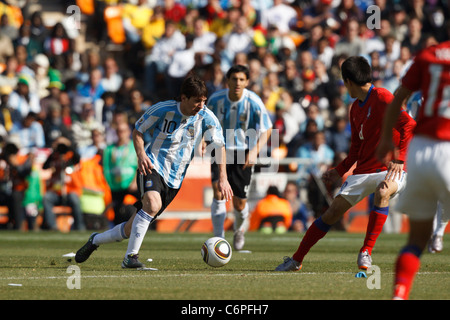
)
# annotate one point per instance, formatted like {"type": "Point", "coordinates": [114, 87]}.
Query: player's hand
{"type": "Point", "coordinates": [225, 189]}
{"type": "Point", "coordinates": [395, 170]}
{"type": "Point", "coordinates": [330, 176]}
{"type": "Point", "coordinates": [145, 166]}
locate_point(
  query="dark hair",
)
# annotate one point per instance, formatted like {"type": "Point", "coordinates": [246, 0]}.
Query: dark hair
{"type": "Point", "coordinates": [193, 86]}
{"type": "Point", "coordinates": [273, 190]}
{"type": "Point", "coordinates": [357, 70]}
{"type": "Point", "coordinates": [238, 68]}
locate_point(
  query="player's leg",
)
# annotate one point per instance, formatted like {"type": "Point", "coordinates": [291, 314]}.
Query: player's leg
{"type": "Point", "coordinates": [239, 180]}
{"type": "Point", "coordinates": [151, 205]}
{"type": "Point", "coordinates": [436, 243]}
{"type": "Point", "coordinates": [315, 232]}
{"type": "Point", "coordinates": [218, 211]}
{"type": "Point", "coordinates": [377, 218]}
{"type": "Point", "coordinates": [218, 205]}
{"type": "Point", "coordinates": [408, 261]}
{"type": "Point", "coordinates": [241, 221]}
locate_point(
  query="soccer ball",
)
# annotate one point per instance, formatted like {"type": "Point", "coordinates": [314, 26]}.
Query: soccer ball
{"type": "Point", "coordinates": [216, 252]}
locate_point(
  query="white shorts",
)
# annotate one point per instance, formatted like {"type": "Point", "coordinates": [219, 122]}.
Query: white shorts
{"type": "Point", "coordinates": [359, 186]}
{"type": "Point", "coordinates": [428, 178]}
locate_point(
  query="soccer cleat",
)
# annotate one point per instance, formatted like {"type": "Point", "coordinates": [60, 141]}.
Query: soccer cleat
{"type": "Point", "coordinates": [364, 260]}
{"type": "Point", "coordinates": [289, 264]}
{"type": "Point", "coordinates": [436, 244]}
{"type": "Point", "coordinates": [85, 251]}
{"type": "Point", "coordinates": [131, 262]}
{"type": "Point", "coordinates": [238, 240]}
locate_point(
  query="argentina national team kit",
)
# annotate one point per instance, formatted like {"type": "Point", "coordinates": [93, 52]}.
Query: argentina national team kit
{"type": "Point", "coordinates": [175, 136]}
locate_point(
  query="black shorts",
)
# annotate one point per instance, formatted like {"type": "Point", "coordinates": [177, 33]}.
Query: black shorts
{"type": "Point", "coordinates": [238, 178]}
{"type": "Point", "coordinates": [154, 182]}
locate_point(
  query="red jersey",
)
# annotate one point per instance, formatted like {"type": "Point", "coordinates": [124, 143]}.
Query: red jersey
{"type": "Point", "coordinates": [366, 119]}
{"type": "Point", "coordinates": [430, 73]}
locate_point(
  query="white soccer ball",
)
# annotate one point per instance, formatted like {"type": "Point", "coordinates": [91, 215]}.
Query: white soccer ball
{"type": "Point", "coordinates": [216, 252]}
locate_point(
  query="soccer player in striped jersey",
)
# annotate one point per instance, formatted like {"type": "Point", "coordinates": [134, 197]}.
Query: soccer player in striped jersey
{"type": "Point", "coordinates": [369, 175]}
{"type": "Point", "coordinates": [428, 156]}
{"type": "Point", "coordinates": [247, 127]}
{"type": "Point", "coordinates": [177, 128]}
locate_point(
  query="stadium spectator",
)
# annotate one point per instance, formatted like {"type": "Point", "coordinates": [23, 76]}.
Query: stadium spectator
{"type": "Point", "coordinates": [158, 61]}
{"type": "Point", "coordinates": [338, 136]}
{"type": "Point", "coordinates": [23, 98]}
{"type": "Point", "coordinates": [135, 17]}
{"type": "Point", "coordinates": [204, 41]}
{"type": "Point", "coordinates": [293, 114]}
{"type": "Point", "coordinates": [29, 132]}
{"type": "Point", "coordinates": [280, 15]}
{"type": "Point", "coordinates": [352, 44]}
{"type": "Point", "coordinates": [239, 39]}
{"type": "Point", "coordinates": [16, 169]}
{"type": "Point", "coordinates": [54, 126]}
{"type": "Point", "coordinates": [271, 214]}
{"type": "Point", "coordinates": [111, 80]}
{"type": "Point", "coordinates": [58, 42]}
{"type": "Point", "coordinates": [216, 79]}
{"type": "Point", "coordinates": [82, 128]}
{"type": "Point", "coordinates": [301, 215]}
{"type": "Point", "coordinates": [8, 115]}
{"type": "Point", "coordinates": [119, 168]}
{"type": "Point", "coordinates": [183, 61]}
{"type": "Point", "coordinates": [153, 30]}
{"type": "Point", "coordinates": [414, 38]}
{"type": "Point", "coordinates": [90, 91]}
{"type": "Point", "coordinates": [64, 187]}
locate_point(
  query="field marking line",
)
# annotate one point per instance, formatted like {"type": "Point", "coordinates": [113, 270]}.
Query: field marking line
{"type": "Point", "coordinates": [154, 274]}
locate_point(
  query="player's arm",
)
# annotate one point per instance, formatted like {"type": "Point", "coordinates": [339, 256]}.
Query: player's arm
{"type": "Point", "coordinates": [145, 166]}
{"type": "Point", "coordinates": [223, 184]}
{"type": "Point", "coordinates": [385, 149]}
{"type": "Point", "coordinates": [405, 126]}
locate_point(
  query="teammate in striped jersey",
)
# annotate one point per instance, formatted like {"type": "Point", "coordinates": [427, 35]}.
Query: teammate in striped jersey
{"type": "Point", "coordinates": [428, 156]}
{"type": "Point", "coordinates": [177, 128]}
{"type": "Point", "coordinates": [247, 126]}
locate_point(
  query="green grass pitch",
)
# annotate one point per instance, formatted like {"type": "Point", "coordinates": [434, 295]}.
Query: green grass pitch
{"type": "Point", "coordinates": [32, 267]}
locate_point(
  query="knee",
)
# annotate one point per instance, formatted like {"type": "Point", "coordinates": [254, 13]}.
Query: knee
{"type": "Point", "coordinates": [151, 203]}
{"type": "Point", "coordinates": [239, 204]}
{"type": "Point", "coordinates": [382, 193]}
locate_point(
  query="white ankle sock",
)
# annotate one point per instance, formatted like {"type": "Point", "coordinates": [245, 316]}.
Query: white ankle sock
{"type": "Point", "coordinates": [115, 234]}
{"type": "Point", "coordinates": [138, 230]}
{"type": "Point", "coordinates": [241, 222]}
{"type": "Point", "coordinates": [218, 216]}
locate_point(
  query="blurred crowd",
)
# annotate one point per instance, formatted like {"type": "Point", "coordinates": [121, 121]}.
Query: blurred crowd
{"type": "Point", "coordinates": [71, 91]}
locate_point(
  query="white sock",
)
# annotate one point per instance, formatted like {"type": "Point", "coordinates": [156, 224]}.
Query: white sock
{"type": "Point", "coordinates": [138, 230]}
{"type": "Point", "coordinates": [115, 234]}
{"type": "Point", "coordinates": [440, 221]}
{"type": "Point", "coordinates": [218, 216]}
{"type": "Point", "coordinates": [241, 222]}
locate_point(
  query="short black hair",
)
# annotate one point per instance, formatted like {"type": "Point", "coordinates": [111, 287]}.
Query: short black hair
{"type": "Point", "coordinates": [238, 68]}
{"type": "Point", "coordinates": [357, 70]}
{"type": "Point", "coordinates": [193, 86]}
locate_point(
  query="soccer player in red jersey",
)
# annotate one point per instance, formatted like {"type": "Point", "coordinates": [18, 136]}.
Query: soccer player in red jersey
{"type": "Point", "coordinates": [370, 175]}
{"type": "Point", "coordinates": [428, 156]}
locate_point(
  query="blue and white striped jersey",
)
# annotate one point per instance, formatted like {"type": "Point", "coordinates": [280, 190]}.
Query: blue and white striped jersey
{"type": "Point", "coordinates": [175, 137]}
{"type": "Point", "coordinates": [242, 121]}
